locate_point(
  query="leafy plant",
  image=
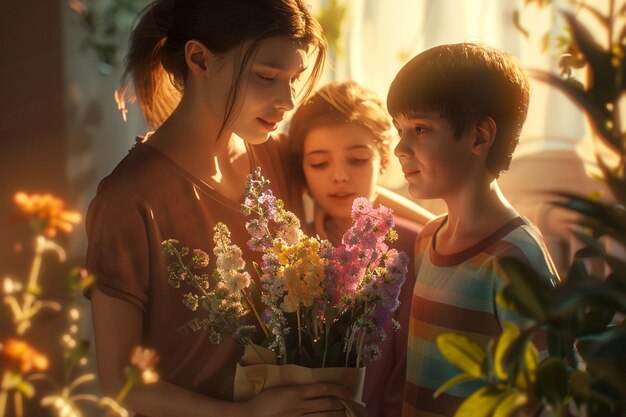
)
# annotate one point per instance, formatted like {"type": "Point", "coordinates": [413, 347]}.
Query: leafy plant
{"type": "Point", "coordinates": [24, 368]}
{"type": "Point", "coordinates": [102, 25]}
{"type": "Point", "coordinates": [585, 373]}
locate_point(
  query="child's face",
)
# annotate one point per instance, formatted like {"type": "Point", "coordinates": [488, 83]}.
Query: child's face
{"type": "Point", "coordinates": [340, 163]}
{"type": "Point", "coordinates": [434, 162]}
{"type": "Point", "coordinates": [267, 87]}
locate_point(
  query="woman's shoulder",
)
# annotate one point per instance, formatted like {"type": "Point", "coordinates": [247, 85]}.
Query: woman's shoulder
{"type": "Point", "coordinates": [143, 170]}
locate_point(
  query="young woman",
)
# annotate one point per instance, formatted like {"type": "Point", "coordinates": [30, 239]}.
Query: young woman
{"type": "Point", "coordinates": [338, 142]}
{"type": "Point", "coordinates": [233, 67]}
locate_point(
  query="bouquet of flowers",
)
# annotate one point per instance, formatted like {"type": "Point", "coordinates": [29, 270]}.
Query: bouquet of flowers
{"type": "Point", "coordinates": [323, 307]}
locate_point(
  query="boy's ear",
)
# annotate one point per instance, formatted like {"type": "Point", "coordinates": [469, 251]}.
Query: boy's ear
{"type": "Point", "coordinates": [486, 130]}
{"type": "Point", "coordinates": [198, 57]}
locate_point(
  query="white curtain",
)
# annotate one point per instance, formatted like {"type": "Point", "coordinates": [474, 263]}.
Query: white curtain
{"type": "Point", "coordinates": [381, 35]}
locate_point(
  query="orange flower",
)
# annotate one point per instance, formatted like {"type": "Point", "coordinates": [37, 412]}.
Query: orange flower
{"type": "Point", "coordinates": [145, 360]}
{"type": "Point", "coordinates": [78, 6]}
{"type": "Point", "coordinates": [49, 212]}
{"type": "Point", "coordinates": [24, 355]}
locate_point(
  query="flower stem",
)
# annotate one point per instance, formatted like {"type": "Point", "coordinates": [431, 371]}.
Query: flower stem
{"type": "Point", "coordinates": [360, 348]}
{"type": "Point", "coordinates": [33, 277]}
{"type": "Point", "coordinates": [19, 404]}
{"type": "Point", "coordinates": [326, 337]}
{"type": "Point", "coordinates": [611, 19]}
{"type": "Point", "coordinates": [3, 401]}
{"type": "Point", "coordinates": [299, 331]}
{"type": "Point", "coordinates": [130, 382]}
{"type": "Point", "coordinates": [256, 314]}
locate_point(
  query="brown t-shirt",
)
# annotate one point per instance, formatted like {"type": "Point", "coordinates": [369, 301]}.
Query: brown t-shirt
{"type": "Point", "coordinates": [146, 199]}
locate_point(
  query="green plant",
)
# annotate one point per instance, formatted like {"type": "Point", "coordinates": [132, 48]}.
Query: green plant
{"type": "Point", "coordinates": [102, 25]}
{"type": "Point", "coordinates": [25, 367]}
{"type": "Point", "coordinates": [585, 373]}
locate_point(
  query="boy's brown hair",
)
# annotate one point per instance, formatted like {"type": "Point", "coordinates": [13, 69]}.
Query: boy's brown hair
{"type": "Point", "coordinates": [465, 83]}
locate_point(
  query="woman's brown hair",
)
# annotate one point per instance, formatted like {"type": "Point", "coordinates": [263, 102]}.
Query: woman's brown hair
{"type": "Point", "coordinates": [156, 63]}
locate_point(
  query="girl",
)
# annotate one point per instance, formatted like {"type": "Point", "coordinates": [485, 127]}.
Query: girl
{"type": "Point", "coordinates": [233, 66]}
{"type": "Point", "coordinates": [338, 142]}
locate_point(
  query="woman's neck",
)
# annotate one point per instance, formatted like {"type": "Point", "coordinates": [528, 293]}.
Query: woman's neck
{"type": "Point", "coordinates": [190, 138]}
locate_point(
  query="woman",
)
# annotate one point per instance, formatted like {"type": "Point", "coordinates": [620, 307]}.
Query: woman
{"type": "Point", "coordinates": [233, 67]}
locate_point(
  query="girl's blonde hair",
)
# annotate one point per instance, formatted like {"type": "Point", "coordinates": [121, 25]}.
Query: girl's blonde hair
{"type": "Point", "coordinates": [335, 104]}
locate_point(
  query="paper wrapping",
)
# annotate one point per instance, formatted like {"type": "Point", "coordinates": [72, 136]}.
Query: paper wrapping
{"type": "Point", "coordinates": [257, 371]}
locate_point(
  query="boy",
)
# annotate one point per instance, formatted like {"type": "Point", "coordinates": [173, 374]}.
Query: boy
{"type": "Point", "coordinates": [459, 110]}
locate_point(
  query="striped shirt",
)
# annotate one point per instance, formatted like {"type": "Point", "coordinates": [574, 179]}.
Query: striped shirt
{"type": "Point", "coordinates": [456, 293]}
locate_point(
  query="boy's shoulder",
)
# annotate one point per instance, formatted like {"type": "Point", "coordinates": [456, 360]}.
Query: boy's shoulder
{"type": "Point", "coordinates": [426, 233]}
{"type": "Point", "coordinates": [526, 237]}
{"type": "Point", "coordinates": [518, 238]}
{"type": "Point", "coordinates": [432, 226]}
{"type": "Point", "coordinates": [515, 234]}
{"type": "Point", "coordinates": [525, 243]}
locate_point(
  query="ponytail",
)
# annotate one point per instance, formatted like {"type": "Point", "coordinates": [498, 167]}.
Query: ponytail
{"type": "Point", "coordinates": [156, 66]}
{"type": "Point", "coordinates": [145, 75]}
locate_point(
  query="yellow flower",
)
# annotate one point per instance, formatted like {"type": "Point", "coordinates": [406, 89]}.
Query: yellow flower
{"type": "Point", "coordinates": [302, 270]}
{"type": "Point", "coordinates": [49, 211]}
{"type": "Point", "coordinates": [24, 356]}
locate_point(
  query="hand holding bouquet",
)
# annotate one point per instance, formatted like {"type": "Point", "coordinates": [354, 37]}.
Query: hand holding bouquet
{"type": "Point", "coordinates": [323, 306]}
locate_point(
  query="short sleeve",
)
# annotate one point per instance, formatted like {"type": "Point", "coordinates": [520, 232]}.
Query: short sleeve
{"type": "Point", "coordinates": [118, 250]}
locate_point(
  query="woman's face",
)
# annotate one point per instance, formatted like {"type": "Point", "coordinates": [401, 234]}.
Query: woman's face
{"type": "Point", "coordinates": [340, 163]}
{"type": "Point", "coordinates": [267, 87]}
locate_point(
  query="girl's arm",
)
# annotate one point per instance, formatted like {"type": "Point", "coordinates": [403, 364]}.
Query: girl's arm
{"type": "Point", "coordinates": [117, 327]}
{"type": "Point", "coordinates": [402, 206]}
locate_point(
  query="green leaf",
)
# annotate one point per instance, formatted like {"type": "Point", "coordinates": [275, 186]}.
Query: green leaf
{"type": "Point", "coordinates": [511, 402]}
{"type": "Point", "coordinates": [617, 279]}
{"type": "Point", "coordinates": [596, 319]}
{"type": "Point", "coordinates": [481, 403]}
{"type": "Point", "coordinates": [598, 115]}
{"type": "Point", "coordinates": [616, 183]}
{"type": "Point", "coordinates": [604, 20]}
{"type": "Point", "coordinates": [527, 293]}
{"type": "Point", "coordinates": [622, 33]}
{"type": "Point", "coordinates": [526, 375]}
{"type": "Point", "coordinates": [452, 382]}
{"type": "Point", "coordinates": [462, 353]}
{"type": "Point", "coordinates": [26, 388]}
{"type": "Point", "coordinates": [604, 355]}
{"type": "Point", "coordinates": [508, 336]}
{"type": "Point", "coordinates": [331, 19]}
{"type": "Point", "coordinates": [553, 380]}
{"type": "Point", "coordinates": [257, 269]}
{"type": "Point", "coordinates": [518, 25]}
{"type": "Point", "coordinates": [602, 74]}
{"type": "Point", "coordinates": [580, 385]}
{"type": "Point", "coordinates": [330, 314]}
{"type": "Point", "coordinates": [576, 297]}
{"type": "Point", "coordinates": [577, 271]}
{"type": "Point", "coordinates": [603, 218]}
{"type": "Point", "coordinates": [596, 249]}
